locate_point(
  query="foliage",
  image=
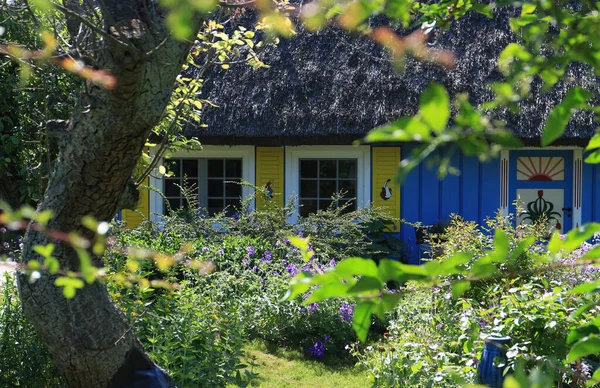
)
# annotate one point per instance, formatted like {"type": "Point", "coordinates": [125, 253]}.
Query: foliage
{"type": "Point", "coordinates": [436, 337]}
{"type": "Point", "coordinates": [24, 360]}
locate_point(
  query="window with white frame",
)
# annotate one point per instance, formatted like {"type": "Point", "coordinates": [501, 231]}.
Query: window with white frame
{"type": "Point", "coordinates": [321, 179]}
{"type": "Point", "coordinates": [314, 173]}
{"type": "Point", "coordinates": [215, 181]}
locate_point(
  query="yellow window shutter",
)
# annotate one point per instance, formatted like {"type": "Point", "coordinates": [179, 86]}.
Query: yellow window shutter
{"type": "Point", "coordinates": [385, 163]}
{"type": "Point", "coordinates": [134, 218]}
{"type": "Point", "coordinates": [269, 169]}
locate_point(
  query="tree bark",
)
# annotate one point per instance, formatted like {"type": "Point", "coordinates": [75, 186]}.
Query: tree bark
{"type": "Point", "coordinates": [88, 337]}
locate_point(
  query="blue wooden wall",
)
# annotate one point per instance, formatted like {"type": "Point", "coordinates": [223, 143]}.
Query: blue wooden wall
{"type": "Point", "coordinates": [590, 194]}
{"type": "Point", "coordinates": [474, 194]}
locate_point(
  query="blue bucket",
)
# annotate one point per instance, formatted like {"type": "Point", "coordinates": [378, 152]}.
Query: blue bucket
{"type": "Point", "coordinates": [489, 374]}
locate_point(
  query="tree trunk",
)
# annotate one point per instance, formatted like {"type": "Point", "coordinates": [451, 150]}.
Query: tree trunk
{"type": "Point", "coordinates": [88, 336]}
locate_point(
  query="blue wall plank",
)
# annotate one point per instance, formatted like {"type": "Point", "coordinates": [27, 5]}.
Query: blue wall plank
{"type": "Point", "coordinates": [470, 188]}
{"type": "Point", "coordinates": [451, 191]}
{"type": "Point", "coordinates": [489, 187]}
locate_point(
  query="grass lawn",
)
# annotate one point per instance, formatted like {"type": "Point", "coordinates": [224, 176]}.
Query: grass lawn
{"type": "Point", "coordinates": [285, 368]}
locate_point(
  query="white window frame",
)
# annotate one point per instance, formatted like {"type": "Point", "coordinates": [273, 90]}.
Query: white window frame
{"type": "Point", "coordinates": [362, 154]}
{"type": "Point", "coordinates": [246, 153]}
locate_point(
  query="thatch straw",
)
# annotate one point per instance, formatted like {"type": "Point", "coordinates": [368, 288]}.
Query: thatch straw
{"type": "Point", "coordinates": [328, 84]}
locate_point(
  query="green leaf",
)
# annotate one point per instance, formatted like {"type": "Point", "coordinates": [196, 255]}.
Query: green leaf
{"type": "Point", "coordinates": [44, 250]}
{"type": "Point", "coordinates": [594, 380]}
{"type": "Point", "coordinates": [298, 286]}
{"type": "Point", "coordinates": [586, 346]}
{"type": "Point", "coordinates": [460, 287]}
{"type": "Point", "coordinates": [585, 288]}
{"type": "Point", "coordinates": [561, 114]}
{"type": "Point", "coordinates": [394, 270]}
{"type": "Point", "coordinates": [574, 238]}
{"type": "Point", "coordinates": [361, 321]}
{"type": "Point", "coordinates": [434, 107]}
{"type": "Point", "coordinates": [483, 9]}
{"type": "Point", "coordinates": [366, 283]}
{"type": "Point", "coordinates": [357, 266]}
{"type": "Point", "coordinates": [52, 264]}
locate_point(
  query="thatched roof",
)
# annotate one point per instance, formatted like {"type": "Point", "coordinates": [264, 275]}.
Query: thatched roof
{"type": "Point", "coordinates": [331, 87]}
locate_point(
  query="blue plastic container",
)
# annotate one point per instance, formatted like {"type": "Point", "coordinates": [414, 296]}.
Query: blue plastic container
{"type": "Point", "coordinates": [489, 374]}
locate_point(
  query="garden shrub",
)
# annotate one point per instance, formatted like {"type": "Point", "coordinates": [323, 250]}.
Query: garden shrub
{"type": "Point", "coordinates": [437, 340]}
{"type": "Point", "coordinates": [24, 360]}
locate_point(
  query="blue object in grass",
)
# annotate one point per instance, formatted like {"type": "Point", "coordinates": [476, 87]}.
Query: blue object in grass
{"type": "Point", "coordinates": [488, 373]}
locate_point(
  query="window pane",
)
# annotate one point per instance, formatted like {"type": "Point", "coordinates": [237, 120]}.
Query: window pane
{"type": "Point", "coordinates": [215, 188]}
{"type": "Point", "coordinates": [190, 168]}
{"type": "Point", "coordinates": [174, 166]}
{"type": "Point", "coordinates": [175, 203]}
{"type": "Point", "coordinates": [327, 168]}
{"type": "Point", "coordinates": [326, 188]}
{"type": "Point", "coordinates": [351, 207]}
{"type": "Point", "coordinates": [324, 204]}
{"type": "Point", "coordinates": [349, 187]}
{"type": "Point", "coordinates": [215, 206]}
{"type": "Point", "coordinates": [308, 207]}
{"type": "Point", "coordinates": [347, 169]}
{"type": "Point", "coordinates": [233, 168]}
{"type": "Point", "coordinates": [215, 168]}
{"type": "Point", "coordinates": [170, 189]}
{"type": "Point", "coordinates": [308, 189]}
{"type": "Point", "coordinates": [233, 190]}
{"type": "Point", "coordinates": [191, 184]}
{"type": "Point", "coordinates": [308, 168]}
{"type": "Point", "coordinates": [233, 203]}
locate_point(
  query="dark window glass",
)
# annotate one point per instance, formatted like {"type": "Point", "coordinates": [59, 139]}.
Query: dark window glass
{"type": "Point", "coordinates": [215, 206]}
{"type": "Point", "coordinates": [190, 168]}
{"type": "Point", "coordinates": [308, 188]}
{"type": "Point", "coordinates": [175, 203]}
{"type": "Point", "coordinates": [327, 168]}
{"type": "Point", "coordinates": [324, 204]}
{"type": "Point", "coordinates": [347, 169]}
{"type": "Point", "coordinates": [215, 188]}
{"type": "Point", "coordinates": [171, 189]}
{"type": "Point", "coordinates": [215, 168]}
{"type": "Point", "coordinates": [233, 168]}
{"type": "Point", "coordinates": [326, 188]}
{"type": "Point", "coordinates": [349, 187]}
{"type": "Point", "coordinates": [308, 206]}
{"type": "Point", "coordinates": [309, 168]}
{"type": "Point", "coordinates": [233, 190]}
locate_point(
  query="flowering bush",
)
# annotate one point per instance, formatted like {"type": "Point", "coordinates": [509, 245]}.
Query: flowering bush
{"type": "Point", "coordinates": [437, 339]}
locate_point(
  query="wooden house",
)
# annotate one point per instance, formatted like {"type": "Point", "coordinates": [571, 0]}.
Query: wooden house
{"type": "Point", "coordinates": [292, 127]}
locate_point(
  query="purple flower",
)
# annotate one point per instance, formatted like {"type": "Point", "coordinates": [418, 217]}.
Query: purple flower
{"type": "Point", "coordinates": [204, 249]}
{"type": "Point", "coordinates": [275, 273]}
{"type": "Point", "coordinates": [251, 251]}
{"type": "Point", "coordinates": [317, 350]}
{"type": "Point", "coordinates": [277, 243]}
{"type": "Point", "coordinates": [2, 230]}
{"type": "Point", "coordinates": [245, 261]}
{"type": "Point", "coordinates": [292, 270]}
{"type": "Point", "coordinates": [6, 245]}
{"type": "Point", "coordinates": [332, 263]}
{"type": "Point", "coordinates": [268, 255]}
{"type": "Point", "coordinates": [221, 252]}
{"type": "Point", "coordinates": [346, 312]}
{"type": "Point", "coordinates": [284, 262]}
{"type": "Point", "coordinates": [313, 307]}
{"type": "Point", "coordinates": [326, 338]}
{"type": "Point", "coordinates": [286, 241]}
{"type": "Point", "coordinates": [300, 234]}
{"type": "Point", "coordinates": [255, 268]}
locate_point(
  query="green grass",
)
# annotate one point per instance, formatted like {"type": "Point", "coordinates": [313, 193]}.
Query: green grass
{"type": "Point", "coordinates": [277, 367]}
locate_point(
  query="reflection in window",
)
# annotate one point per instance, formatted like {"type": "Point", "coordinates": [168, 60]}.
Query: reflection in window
{"type": "Point", "coordinates": [320, 179]}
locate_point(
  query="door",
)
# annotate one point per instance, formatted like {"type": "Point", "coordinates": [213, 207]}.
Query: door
{"type": "Point", "coordinates": [543, 182]}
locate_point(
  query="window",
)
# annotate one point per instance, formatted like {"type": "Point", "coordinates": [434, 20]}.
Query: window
{"type": "Point", "coordinates": [214, 181]}
{"type": "Point", "coordinates": [320, 179]}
